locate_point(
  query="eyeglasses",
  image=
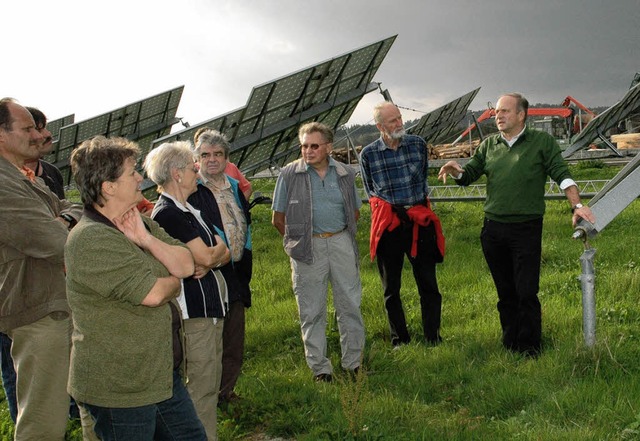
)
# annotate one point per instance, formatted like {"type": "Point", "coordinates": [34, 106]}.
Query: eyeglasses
{"type": "Point", "coordinates": [313, 146]}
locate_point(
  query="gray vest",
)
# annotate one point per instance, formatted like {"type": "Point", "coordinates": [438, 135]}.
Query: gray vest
{"type": "Point", "coordinates": [298, 229]}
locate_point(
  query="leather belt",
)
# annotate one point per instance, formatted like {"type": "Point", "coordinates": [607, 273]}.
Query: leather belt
{"type": "Point", "coordinates": [326, 235]}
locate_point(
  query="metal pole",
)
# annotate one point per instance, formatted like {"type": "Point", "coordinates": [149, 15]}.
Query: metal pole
{"type": "Point", "coordinates": [587, 280]}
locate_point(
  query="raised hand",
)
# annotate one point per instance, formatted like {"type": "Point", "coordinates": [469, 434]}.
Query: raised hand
{"type": "Point", "coordinates": [450, 168]}
{"type": "Point", "coordinates": [132, 226]}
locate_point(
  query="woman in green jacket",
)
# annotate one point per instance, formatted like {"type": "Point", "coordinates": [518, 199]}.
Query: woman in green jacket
{"type": "Point", "coordinates": [123, 271]}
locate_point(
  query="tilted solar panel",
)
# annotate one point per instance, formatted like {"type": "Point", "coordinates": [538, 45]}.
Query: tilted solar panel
{"type": "Point", "coordinates": [142, 121]}
{"type": "Point", "coordinates": [264, 132]}
{"type": "Point", "coordinates": [608, 119]}
{"type": "Point", "coordinates": [435, 126]}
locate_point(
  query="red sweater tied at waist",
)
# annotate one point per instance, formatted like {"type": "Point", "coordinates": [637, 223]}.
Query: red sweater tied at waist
{"type": "Point", "coordinates": [384, 218]}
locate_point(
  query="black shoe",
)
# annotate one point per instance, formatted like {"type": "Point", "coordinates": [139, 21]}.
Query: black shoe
{"type": "Point", "coordinates": [396, 342]}
{"type": "Point", "coordinates": [433, 341]}
{"type": "Point", "coordinates": [327, 378]}
{"type": "Point", "coordinates": [352, 374]}
{"type": "Point", "coordinates": [531, 351]}
{"type": "Point", "coordinates": [231, 397]}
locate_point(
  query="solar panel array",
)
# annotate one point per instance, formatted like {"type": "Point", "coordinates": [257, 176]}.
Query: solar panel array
{"type": "Point", "coordinates": [608, 119]}
{"type": "Point", "coordinates": [436, 126]}
{"type": "Point", "coordinates": [142, 121]}
{"type": "Point", "coordinates": [264, 132]}
{"type": "Point", "coordinates": [54, 127]}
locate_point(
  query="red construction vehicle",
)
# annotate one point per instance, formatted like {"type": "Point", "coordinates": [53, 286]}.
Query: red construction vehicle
{"type": "Point", "coordinates": [580, 120]}
{"type": "Point", "coordinates": [561, 122]}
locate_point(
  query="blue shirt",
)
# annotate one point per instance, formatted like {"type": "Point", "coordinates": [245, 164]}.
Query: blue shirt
{"type": "Point", "coordinates": [396, 176]}
{"type": "Point", "coordinates": [328, 214]}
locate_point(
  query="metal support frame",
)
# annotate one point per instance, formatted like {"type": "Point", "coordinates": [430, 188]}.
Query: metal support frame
{"type": "Point", "coordinates": [477, 192]}
{"type": "Point", "coordinates": [609, 145]}
{"type": "Point", "coordinates": [351, 146]}
{"type": "Point", "coordinates": [475, 121]}
{"type": "Point", "coordinates": [614, 197]}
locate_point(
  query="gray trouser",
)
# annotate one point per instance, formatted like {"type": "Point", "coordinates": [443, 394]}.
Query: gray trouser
{"type": "Point", "coordinates": [334, 261]}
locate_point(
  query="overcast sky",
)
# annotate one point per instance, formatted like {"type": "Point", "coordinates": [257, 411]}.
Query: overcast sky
{"type": "Point", "coordinates": [90, 57]}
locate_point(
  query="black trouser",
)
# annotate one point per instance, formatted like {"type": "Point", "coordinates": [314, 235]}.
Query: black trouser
{"type": "Point", "coordinates": [233, 335]}
{"type": "Point", "coordinates": [512, 251]}
{"type": "Point", "coordinates": [392, 248]}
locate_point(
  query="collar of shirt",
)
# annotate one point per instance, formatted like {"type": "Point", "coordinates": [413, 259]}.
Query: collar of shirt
{"type": "Point", "coordinates": [28, 173]}
{"type": "Point", "coordinates": [332, 163]}
{"type": "Point", "coordinates": [188, 209]}
{"type": "Point", "coordinates": [513, 140]}
{"type": "Point", "coordinates": [383, 145]}
{"type": "Point", "coordinates": [209, 183]}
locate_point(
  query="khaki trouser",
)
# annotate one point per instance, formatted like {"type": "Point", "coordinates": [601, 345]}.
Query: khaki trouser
{"type": "Point", "coordinates": [87, 423]}
{"type": "Point", "coordinates": [204, 369]}
{"type": "Point", "coordinates": [40, 354]}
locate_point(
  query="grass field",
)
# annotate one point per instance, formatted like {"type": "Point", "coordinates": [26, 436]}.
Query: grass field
{"type": "Point", "coordinates": [467, 388]}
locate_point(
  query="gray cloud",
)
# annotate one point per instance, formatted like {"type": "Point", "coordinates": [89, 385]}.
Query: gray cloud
{"type": "Point", "coordinates": [220, 49]}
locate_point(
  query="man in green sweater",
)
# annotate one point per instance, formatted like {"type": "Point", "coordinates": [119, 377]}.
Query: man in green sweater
{"type": "Point", "coordinates": [516, 163]}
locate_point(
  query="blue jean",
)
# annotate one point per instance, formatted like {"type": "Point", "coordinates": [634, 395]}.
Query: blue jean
{"type": "Point", "coordinates": [172, 419]}
{"type": "Point", "coordinates": [8, 375]}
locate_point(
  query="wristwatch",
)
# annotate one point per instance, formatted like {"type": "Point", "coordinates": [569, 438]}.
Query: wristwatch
{"type": "Point", "coordinates": [70, 219]}
{"type": "Point", "coordinates": [575, 207]}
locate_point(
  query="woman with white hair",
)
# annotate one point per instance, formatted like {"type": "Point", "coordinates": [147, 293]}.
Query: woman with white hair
{"type": "Point", "coordinates": [204, 295]}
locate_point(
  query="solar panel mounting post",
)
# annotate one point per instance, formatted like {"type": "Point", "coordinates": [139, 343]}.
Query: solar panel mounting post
{"type": "Point", "coordinates": [606, 205]}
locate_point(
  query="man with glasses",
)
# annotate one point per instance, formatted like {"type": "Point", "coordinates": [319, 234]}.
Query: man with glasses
{"type": "Point", "coordinates": [394, 172]}
{"type": "Point", "coordinates": [315, 208]}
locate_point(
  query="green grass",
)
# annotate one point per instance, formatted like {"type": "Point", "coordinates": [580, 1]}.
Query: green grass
{"type": "Point", "coordinates": [467, 388]}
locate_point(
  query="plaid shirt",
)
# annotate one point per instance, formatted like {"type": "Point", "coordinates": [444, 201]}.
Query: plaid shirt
{"type": "Point", "coordinates": [396, 176]}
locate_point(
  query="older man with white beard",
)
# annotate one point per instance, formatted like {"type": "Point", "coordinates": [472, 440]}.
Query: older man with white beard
{"type": "Point", "coordinates": [394, 171]}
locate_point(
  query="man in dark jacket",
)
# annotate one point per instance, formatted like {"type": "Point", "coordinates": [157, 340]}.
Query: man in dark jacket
{"type": "Point", "coordinates": [212, 152]}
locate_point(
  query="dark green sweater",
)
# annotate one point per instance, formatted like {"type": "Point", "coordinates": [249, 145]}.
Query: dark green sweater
{"type": "Point", "coordinates": [122, 353]}
{"type": "Point", "coordinates": [516, 176]}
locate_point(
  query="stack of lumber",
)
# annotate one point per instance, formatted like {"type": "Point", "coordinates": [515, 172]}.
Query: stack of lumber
{"type": "Point", "coordinates": [341, 155]}
{"type": "Point", "coordinates": [626, 140]}
{"type": "Point", "coordinates": [447, 151]}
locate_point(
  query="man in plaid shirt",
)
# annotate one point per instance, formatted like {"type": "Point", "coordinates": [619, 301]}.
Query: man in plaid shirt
{"type": "Point", "coordinates": [394, 171]}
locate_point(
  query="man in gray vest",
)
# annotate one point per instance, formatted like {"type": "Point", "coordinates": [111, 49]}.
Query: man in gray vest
{"type": "Point", "coordinates": [315, 208]}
